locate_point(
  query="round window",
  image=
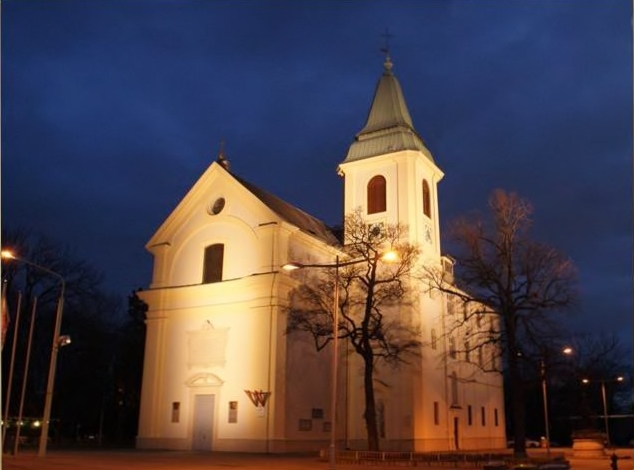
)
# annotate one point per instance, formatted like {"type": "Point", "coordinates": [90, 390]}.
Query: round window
{"type": "Point", "coordinates": [217, 206]}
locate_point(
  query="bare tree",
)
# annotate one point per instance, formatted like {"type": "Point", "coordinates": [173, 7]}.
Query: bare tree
{"type": "Point", "coordinates": [502, 273]}
{"type": "Point", "coordinates": [90, 316]}
{"type": "Point", "coordinates": [80, 277]}
{"type": "Point", "coordinates": [371, 292]}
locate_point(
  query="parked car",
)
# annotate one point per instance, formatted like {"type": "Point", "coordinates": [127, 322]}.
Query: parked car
{"type": "Point", "coordinates": [530, 443]}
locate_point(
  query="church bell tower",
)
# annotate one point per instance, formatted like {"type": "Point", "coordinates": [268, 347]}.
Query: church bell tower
{"type": "Point", "coordinates": [389, 172]}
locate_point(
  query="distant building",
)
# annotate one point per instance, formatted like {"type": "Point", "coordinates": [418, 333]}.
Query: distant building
{"type": "Point", "coordinates": [220, 371]}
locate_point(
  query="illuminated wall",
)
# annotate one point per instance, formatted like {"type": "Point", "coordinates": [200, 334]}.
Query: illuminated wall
{"type": "Point", "coordinates": [424, 405]}
{"type": "Point", "coordinates": [220, 372]}
{"type": "Point", "coordinates": [404, 173]}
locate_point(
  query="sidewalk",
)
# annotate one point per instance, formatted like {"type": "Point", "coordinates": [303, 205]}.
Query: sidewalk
{"type": "Point", "coordinates": [173, 460]}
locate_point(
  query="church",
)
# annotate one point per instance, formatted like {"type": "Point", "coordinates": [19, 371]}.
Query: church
{"type": "Point", "coordinates": [220, 371]}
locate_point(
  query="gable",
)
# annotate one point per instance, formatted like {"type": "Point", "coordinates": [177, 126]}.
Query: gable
{"type": "Point", "coordinates": [209, 195]}
{"type": "Point", "coordinates": [226, 212]}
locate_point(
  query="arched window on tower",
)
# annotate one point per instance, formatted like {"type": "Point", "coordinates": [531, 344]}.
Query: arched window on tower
{"type": "Point", "coordinates": [212, 268]}
{"type": "Point", "coordinates": [376, 195]}
{"type": "Point", "coordinates": [426, 199]}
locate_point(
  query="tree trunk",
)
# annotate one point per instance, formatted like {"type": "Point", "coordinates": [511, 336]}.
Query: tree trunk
{"type": "Point", "coordinates": [518, 409]}
{"type": "Point", "coordinates": [370, 405]}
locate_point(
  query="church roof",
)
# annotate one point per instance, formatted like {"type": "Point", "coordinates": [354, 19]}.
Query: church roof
{"type": "Point", "coordinates": [291, 214]}
{"type": "Point", "coordinates": [389, 126]}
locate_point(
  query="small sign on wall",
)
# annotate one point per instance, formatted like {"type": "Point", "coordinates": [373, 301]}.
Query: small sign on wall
{"type": "Point", "coordinates": [259, 399]}
{"type": "Point", "coordinates": [233, 411]}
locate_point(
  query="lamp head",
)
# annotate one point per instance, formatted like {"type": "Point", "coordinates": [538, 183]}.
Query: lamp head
{"type": "Point", "coordinates": [291, 266]}
{"type": "Point", "coordinates": [6, 254]}
{"type": "Point", "coordinates": [390, 256]}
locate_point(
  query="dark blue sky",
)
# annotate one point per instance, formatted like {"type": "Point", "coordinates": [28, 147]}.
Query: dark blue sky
{"type": "Point", "coordinates": [111, 110]}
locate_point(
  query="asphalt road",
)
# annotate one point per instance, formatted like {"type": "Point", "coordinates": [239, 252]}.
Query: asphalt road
{"type": "Point", "coordinates": [170, 460]}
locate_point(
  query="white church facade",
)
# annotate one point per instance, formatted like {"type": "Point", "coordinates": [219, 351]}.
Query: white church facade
{"type": "Point", "coordinates": [220, 371]}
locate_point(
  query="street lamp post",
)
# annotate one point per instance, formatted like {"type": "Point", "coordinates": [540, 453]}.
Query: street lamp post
{"type": "Point", "coordinates": [605, 414]}
{"type": "Point", "coordinates": [545, 399]}
{"type": "Point", "coordinates": [50, 386]}
{"type": "Point", "coordinates": [335, 361]}
{"type": "Point", "coordinates": [388, 256]}
{"type": "Point", "coordinates": [335, 346]}
{"type": "Point", "coordinates": [566, 350]}
{"type": "Point", "coordinates": [605, 404]}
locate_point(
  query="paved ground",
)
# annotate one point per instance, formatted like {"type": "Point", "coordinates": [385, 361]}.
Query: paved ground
{"type": "Point", "coordinates": [144, 460]}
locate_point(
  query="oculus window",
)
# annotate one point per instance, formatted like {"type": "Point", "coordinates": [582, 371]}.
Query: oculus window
{"type": "Point", "coordinates": [217, 206]}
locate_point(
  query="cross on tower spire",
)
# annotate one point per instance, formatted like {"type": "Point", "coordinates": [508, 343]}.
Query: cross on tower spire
{"type": "Point", "coordinates": [386, 50]}
{"type": "Point", "coordinates": [222, 159]}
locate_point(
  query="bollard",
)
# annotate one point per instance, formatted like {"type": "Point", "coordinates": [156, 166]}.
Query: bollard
{"type": "Point", "coordinates": [614, 461]}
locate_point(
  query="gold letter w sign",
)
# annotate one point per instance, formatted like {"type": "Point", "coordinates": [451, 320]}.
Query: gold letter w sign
{"type": "Point", "coordinates": [258, 397]}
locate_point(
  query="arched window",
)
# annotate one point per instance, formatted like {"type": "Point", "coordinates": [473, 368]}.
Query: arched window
{"type": "Point", "coordinates": [212, 268]}
{"type": "Point", "coordinates": [376, 195]}
{"type": "Point", "coordinates": [426, 199]}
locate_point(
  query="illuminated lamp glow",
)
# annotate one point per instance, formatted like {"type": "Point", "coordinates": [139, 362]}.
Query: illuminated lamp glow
{"type": "Point", "coordinates": [6, 254]}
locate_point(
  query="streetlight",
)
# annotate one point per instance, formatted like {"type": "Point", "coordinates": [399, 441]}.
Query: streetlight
{"type": "Point", "coordinates": [620, 378]}
{"type": "Point", "coordinates": [50, 386]}
{"type": "Point", "coordinates": [291, 266]}
{"type": "Point", "coordinates": [567, 350]}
